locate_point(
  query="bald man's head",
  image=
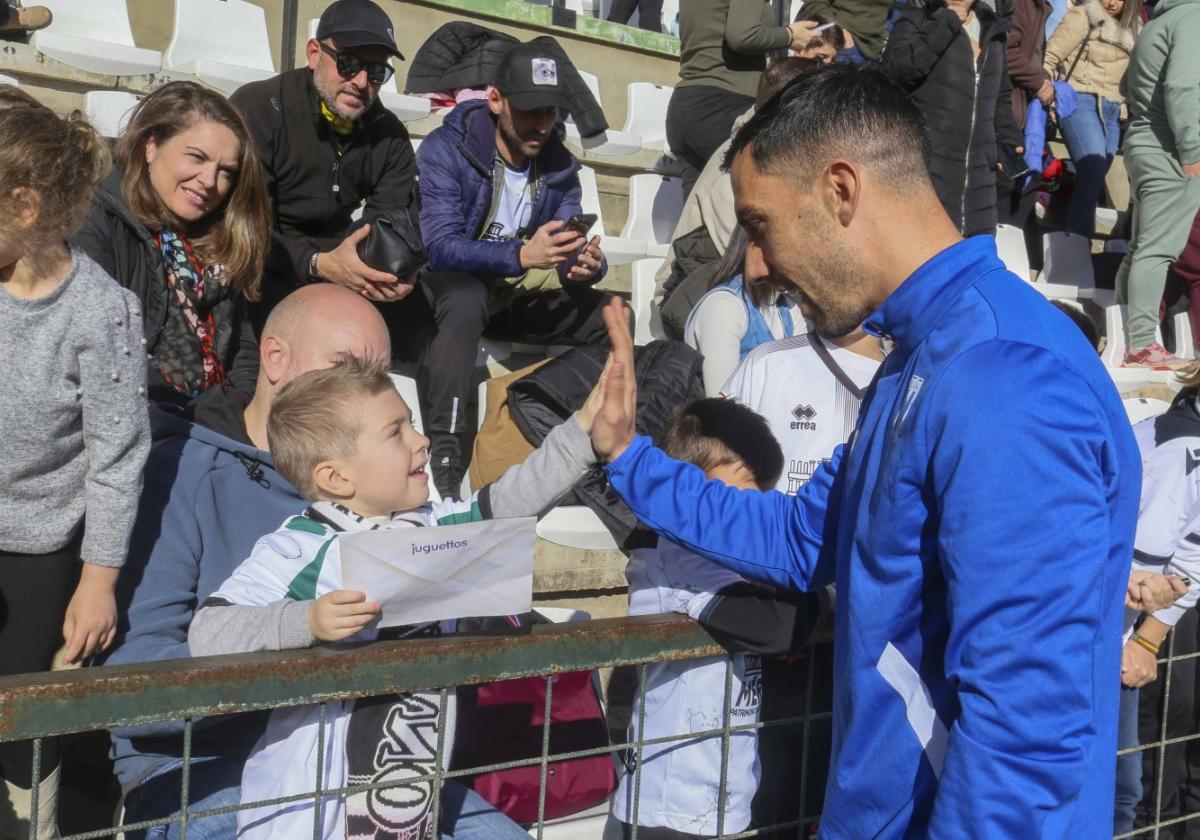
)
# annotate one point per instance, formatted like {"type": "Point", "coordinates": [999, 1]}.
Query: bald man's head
{"type": "Point", "coordinates": [316, 324]}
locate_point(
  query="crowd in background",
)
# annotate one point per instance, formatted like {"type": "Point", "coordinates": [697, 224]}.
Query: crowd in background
{"type": "Point", "coordinates": [177, 311]}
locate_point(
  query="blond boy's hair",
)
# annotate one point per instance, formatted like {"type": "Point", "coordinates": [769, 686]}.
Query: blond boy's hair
{"type": "Point", "coordinates": [317, 416]}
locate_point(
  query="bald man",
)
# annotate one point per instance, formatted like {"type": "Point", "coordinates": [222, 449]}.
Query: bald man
{"type": "Point", "coordinates": [307, 330]}
{"type": "Point", "coordinates": [210, 492]}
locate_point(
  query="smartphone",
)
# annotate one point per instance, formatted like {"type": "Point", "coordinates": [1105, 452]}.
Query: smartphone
{"type": "Point", "coordinates": [1012, 163]}
{"type": "Point", "coordinates": [823, 26]}
{"type": "Point", "coordinates": [581, 222]}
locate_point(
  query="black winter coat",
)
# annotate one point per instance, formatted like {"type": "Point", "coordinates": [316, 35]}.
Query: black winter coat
{"type": "Point", "coordinates": [465, 55]}
{"type": "Point", "coordinates": [121, 245]}
{"type": "Point", "coordinates": [316, 184]}
{"type": "Point", "coordinates": [668, 375]}
{"type": "Point", "coordinates": [966, 103]}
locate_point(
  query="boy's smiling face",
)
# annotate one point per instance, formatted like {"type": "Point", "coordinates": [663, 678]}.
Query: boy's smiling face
{"type": "Point", "coordinates": [387, 470]}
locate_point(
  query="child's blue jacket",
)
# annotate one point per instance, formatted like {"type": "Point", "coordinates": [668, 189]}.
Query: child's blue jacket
{"type": "Point", "coordinates": [979, 526]}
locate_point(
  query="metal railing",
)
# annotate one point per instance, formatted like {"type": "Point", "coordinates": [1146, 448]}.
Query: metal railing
{"type": "Point", "coordinates": [35, 707]}
{"type": "Point", "coordinates": [1154, 824]}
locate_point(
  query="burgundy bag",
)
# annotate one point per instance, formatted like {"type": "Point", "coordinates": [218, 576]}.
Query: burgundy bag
{"type": "Point", "coordinates": [502, 721]}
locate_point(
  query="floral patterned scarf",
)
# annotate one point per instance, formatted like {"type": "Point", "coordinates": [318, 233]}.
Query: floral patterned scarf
{"type": "Point", "coordinates": [186, 353]}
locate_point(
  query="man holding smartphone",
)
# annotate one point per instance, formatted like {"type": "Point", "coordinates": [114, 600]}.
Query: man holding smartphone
{"type": "Point", "coordinates": [507, 240]}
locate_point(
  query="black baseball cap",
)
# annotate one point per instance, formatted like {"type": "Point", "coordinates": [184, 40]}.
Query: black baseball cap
{"type": "Point", "coordinates": [358, 23]}
{"type": "Point", "coordinates": [530, 77]}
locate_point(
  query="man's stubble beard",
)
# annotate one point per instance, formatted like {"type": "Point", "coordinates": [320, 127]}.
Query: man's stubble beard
{"type": "Point", "coordinates": [842, 306]}
{"type": "Point", "coordinates": [328, 96]}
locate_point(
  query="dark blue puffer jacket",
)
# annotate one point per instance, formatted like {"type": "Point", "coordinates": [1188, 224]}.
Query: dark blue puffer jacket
{"type": "Point", "coordinates": [456, 183]}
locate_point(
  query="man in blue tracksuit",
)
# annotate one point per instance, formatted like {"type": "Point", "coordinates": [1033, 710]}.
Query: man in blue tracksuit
{"type": "Point", "coordinates": [978, 524]}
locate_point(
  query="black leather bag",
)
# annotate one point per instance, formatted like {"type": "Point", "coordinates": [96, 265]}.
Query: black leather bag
{"type": "Point", "coordinates": [394, 244]}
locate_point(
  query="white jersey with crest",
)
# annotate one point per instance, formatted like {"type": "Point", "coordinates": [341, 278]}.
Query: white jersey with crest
{"type": "Point", "coordinates": [809, 391]}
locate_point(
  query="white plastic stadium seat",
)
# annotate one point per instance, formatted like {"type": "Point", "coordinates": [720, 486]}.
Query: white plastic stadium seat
{"type": "Point", "coordinates": [109, 110]}
{"type": "Point", "coordinates": [655, 205]}
{"type": "Point", "coordinates": [94, 35]}
{"type": "Point", "coordinates": [1143, 408]}
{"type": "Point", "coordinates": [1068, 259]}
{"type": "Point", "coordinates": [575, 526]}
{"type": "Point", "coordinates": [611, 143]}
{"type": "Point", "coordinates": [1106, 218]}
{"type": "Point", "coordinates": [646, 326]}
{"type": "Point", "coordinates": [407, 386]}
{"type": "Point", "coordinates": [1056, 291]}
{"type": "Point", "coordinates": [1185, 347]}
{"type": "Point", "coordinates": [223, 43]}
{"type": "Point", "coordinates": [618, 249]}
{"type": "Point", "coordinates": [1114, 353]}
{"type": "Point", "coordinates": [404, 106]}
{"type": "Point", "coordinates": [8, 80]}
{"type": "Point", "coordinates": [1010, 244]}
{"type": "Point", "coordinates": [670, 8]}
{"type": "Point", "coordinates": [1068, 262]}
{"type": "Point", "coordinates": [646, 114]}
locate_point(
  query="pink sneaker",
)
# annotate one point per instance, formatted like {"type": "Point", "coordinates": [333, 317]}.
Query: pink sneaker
{"type": "Point", "coordinates": [1153, 356]}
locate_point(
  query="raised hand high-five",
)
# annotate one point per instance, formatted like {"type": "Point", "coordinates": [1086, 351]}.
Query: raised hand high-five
{"type": "Point", "coordinates": [615, 423]}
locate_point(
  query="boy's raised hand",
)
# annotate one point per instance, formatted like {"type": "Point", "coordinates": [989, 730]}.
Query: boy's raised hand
{"type": "Point", "coordinates": [340, 614]}
{"type": "Point", "coordinates": [614, 423]}
{"type": "Point", "coordinates": [587, 414]}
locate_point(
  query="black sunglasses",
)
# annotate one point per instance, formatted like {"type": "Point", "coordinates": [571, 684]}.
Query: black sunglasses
{"type": "Point", "coordinates": [349, 66]}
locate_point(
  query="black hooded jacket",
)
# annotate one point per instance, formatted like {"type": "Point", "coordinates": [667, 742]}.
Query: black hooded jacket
{"type": "Point", "coordinates": [966, 103]}
{"type": "Point", "coordinates": [465, 55]}
{"type": "Point", "coordinates": [124, 247]}
{"type": "Point", "coordinates": [668, 375]}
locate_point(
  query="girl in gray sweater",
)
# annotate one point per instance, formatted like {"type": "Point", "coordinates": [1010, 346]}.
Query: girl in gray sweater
{"type": "Point", "coordinates": [72, 414]}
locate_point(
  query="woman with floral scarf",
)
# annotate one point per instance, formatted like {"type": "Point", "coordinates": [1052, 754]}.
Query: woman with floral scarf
{"type": "Point", "coordinates": [183, 221]}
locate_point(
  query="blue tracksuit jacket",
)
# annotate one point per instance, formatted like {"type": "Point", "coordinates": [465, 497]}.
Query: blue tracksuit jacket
{"type": "Point", "coordinates": [979, 525]}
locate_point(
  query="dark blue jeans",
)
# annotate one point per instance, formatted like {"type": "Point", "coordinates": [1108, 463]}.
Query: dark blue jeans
{"type": "Point", "coordinates": [1129, 767]}
{"type": "Point", "coordinates": [1092, 134]}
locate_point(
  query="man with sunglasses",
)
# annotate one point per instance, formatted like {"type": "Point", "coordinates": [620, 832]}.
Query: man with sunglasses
{"type": "Point", "coordinates": [327, 146]}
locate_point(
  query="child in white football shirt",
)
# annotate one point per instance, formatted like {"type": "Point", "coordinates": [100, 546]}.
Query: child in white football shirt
{"type": "Point", "coordinates": [680, 780]}
{"type": "Point", "coordinates": [344, 438]}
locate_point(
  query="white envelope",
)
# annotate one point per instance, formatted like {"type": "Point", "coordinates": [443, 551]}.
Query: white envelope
{"type": "Point", "coordinates": [452, 571]}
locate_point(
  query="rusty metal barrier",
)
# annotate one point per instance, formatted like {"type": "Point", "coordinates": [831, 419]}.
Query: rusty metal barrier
{"type": "Point", "coordinates": [34, 707]}
{"type": "Point", "coordinates": [38, 706]}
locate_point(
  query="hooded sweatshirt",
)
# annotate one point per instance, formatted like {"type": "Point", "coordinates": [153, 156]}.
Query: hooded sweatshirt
{"type": "Point", "coordinates": [979, 524]}
{"type": "Point", "coordinates": [207, 500]}
{"type": "Point", "coordinates": [1163, 84]}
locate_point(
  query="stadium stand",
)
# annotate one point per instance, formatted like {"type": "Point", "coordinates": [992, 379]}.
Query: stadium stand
{"type": "Point", "coordinates": [95, 36]}
{"type": "Point", "coordinates": [223, 43]}
{"type": "Point", "coordinates": [109, 110]}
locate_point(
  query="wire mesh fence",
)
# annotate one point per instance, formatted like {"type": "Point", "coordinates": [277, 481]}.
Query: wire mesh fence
{"type": "Point", "coordinates": [38, 707]}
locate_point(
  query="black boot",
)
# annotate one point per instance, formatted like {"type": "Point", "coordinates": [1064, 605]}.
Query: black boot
{"type": "Point", "coordinates": [445, 457]}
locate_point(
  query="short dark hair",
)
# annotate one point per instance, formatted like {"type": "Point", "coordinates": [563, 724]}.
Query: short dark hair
{"type": "Point", "coordinates": [1082, 320]}
{"type": "Point", "coordinates": [838, 110]}
{"type": "Point", "coordinates": [711, 432]}
{"type": "Point", "coordinates": [780, 73]}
